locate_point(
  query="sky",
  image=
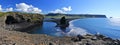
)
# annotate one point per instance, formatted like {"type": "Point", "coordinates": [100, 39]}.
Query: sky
{"type": "Point", "coordinates": [105, 7]}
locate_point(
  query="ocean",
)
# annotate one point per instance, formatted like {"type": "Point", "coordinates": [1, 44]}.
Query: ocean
{"type": "Point", "coordinates": [109, 27]}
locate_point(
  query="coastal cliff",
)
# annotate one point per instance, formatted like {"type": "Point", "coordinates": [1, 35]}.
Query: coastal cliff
{"type": "Point", "coordinates": [22, 21]}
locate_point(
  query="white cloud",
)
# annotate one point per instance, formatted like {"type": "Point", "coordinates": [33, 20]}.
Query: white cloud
{"type": "Point", "coordinates": [34, 10]}
{"type": "Point", "coordinates": [67, 8]}
{"type": "Point", "coordinates": [5, 10]}
{"type": "Point", "coordinates": [9, 9]}
{"type": "Point", "coordinates": [57, 11]}
{"type": "Point", "coordinates": [62, 10]}
{"type": "Point", "coordinates": [23, 7]}
{"type": "Point", "coordinates": [0, 7]}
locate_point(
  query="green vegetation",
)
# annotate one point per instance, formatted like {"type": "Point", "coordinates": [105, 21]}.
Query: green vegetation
{"type": "Point", "coordinates": [19, 17]}
{"type": "Point", "coordinates": [2, 14]}
{"type": "Point", "coordinates": [74, 16]}
{"type": "Point", "coordinates": [59, 16]}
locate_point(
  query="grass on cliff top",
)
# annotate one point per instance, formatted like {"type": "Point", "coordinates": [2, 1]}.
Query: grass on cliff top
{"type": "Point", "coordinates": [21, 13]}
{"type": "Point", "coordinates": [2, 14]}
{"type": "Point", "coordinates": [60, 16]}
{"type": "Point", "coordinates": [33, 17]}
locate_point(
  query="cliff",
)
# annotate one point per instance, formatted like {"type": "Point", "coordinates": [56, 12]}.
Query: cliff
{"type": "Point", "coordinates": [21, 21]}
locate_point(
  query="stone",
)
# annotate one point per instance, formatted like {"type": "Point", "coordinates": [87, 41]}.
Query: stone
{"type": "Point", "coordinates": [94, 38]}
{"type": "Point", "coordinates": [80, 37]}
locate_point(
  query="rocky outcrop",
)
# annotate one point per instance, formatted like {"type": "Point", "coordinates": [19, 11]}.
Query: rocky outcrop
{"type": "Point", "coordinates": [22, 21]}
{"type": "Point", "coordinates": [95, 40]}
{"type": "Point", "coordinates": [63, 23]}
{"type": "Point", "coordinates": [10, 20]}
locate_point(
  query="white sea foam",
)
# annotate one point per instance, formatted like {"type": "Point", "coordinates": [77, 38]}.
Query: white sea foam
{"type": "Point", "coordinates": [74, 31]}
{"type": "Point", "coordinates": [115, 21]}
{"type": "Point", "coordinates": [59, 32]}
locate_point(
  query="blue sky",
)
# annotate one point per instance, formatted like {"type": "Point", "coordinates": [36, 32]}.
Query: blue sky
{"type": "Point", "coordinates": [107, 7]}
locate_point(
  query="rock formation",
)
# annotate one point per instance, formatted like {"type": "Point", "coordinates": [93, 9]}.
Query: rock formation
{"type": "Point", "coordinates": [21, 21]}
{"type": "Point", "coordinates": [63, 23]}
{"type": "Point", "coordinates": [10, 20]}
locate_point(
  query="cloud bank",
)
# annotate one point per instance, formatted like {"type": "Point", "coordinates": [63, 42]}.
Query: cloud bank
{"type": "Point", "coordinates": [67, 8]}
{"type": "Point", "coordinates": [62, 10]}
{"type": "Point", "coordinates": [9, 9]}
{"type": "Point", "coordinates": [58, 11]}
{"type": "Point", "coordinates": [23, 7]}
{"type": "Point", "coordinates": [5, 10]}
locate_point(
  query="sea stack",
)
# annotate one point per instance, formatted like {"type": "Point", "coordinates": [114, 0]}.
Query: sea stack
{"type": "Point", "coordinates": [63, 23]}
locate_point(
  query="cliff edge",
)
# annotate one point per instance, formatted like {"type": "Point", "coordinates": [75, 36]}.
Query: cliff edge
{"type": "Point", "coordinates": [22, 21]}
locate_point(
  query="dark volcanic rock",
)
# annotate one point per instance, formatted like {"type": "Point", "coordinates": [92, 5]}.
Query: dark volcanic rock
{"type": "Point", "coordinates": [19, 18]}
{"type": "Point", "coordinates": [78, 38]}
{"type": "Point", "coordinates": [21, 21]}
{"type": "Point", "coordinates": [63, 23]}
{"type": "Point", "coordinates": [10, 20]}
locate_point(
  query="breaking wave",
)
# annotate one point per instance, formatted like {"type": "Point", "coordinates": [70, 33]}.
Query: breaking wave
{"type": "Point", "coordinates": [104, 26]}
{"type": "Point", "coordinates": [115, 21]}
{"type": "Point", "coordinates": [74, 31]}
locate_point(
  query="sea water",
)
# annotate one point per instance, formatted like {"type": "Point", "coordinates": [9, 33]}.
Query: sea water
{"type": "Point", "coordinates": [104, 26]}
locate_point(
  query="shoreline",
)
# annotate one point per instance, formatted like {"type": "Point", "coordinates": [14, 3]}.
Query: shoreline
{"type": "Point", "coordinates": [12, 37]}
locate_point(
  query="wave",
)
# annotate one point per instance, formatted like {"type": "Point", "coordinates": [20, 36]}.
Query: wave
{"type": "Point", "coordinates": [114, 21]}
{"type": "Point", "coordinates": [102, 26]}
{"type": "Point", "coordinates": [74, 31]}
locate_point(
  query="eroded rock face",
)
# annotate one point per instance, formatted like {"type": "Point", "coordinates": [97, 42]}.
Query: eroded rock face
{"type": "Point", "coordinates": [21, 21]}
{"type": "Point", "coordinates": [63, 23]}
{"type": "Point", "coordinates": [14, 19]}
{"type": "Point", "coordinates": [10, 20]}
{"type": "Point", "coordinates": [19, 18]}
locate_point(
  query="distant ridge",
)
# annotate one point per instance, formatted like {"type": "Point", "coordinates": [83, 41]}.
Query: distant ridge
{"type": "Point", "coordinates": [79, 15]}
